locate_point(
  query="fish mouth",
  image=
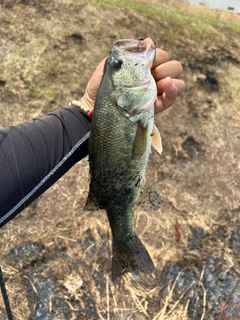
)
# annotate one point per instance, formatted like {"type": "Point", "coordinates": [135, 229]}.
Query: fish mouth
{"type": "Point", "coordinates": [143, 48]}
{"type": "Point", "coordinates": [139, 54]}
{"type": "Point", "coordinates": [133, 45]}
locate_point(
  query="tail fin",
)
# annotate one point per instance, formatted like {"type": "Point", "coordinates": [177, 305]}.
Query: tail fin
{"type": "Point", "coordinates": [130, 256]}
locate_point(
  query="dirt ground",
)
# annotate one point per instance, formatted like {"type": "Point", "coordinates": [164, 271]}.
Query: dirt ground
{"type": "Point", "coordinates": [55, 257]}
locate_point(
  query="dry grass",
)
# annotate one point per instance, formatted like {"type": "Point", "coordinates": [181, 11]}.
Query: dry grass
{"type": "Point", "coordinates": [183, 6]}
{"type": "Point", "coordinates": [55, 254]}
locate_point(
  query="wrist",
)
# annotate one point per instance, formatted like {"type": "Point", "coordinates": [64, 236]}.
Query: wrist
{"type": "Point", "coordinates": [81, 104]}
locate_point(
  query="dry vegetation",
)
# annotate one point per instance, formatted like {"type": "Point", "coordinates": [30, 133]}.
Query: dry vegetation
{"type": "Point", "coordinates": [55, 257]}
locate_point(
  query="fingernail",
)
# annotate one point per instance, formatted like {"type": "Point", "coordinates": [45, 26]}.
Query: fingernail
{"type": "Point", "coordinates": [170, 82]}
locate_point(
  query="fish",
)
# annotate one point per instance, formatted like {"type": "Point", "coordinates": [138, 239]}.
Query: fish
{"type": "Point", "coordinates": [122, 132]}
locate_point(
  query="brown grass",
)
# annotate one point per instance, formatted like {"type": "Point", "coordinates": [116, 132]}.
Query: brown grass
{"type": "Point", "coordinates": [57, 252]}
{"type": "Point", "coordinates": [194, 9]}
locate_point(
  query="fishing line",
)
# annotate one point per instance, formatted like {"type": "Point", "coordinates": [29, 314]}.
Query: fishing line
{"type": "Point", "coordinates": [5, 297]}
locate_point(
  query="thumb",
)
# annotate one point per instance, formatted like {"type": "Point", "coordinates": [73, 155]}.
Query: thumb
{"type": "Point", "coordinates": [91, 91]}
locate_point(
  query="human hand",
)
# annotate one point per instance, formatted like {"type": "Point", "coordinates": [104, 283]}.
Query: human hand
{"type": "Point", "coordinates": [165, 73]}
{"type": "Point", "coordinates": [88, 100]}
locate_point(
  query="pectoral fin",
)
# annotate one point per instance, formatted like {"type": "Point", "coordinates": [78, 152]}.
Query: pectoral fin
{"type": "Point", "coordinates": [156, 140]}
{"type": "Point", "coordinates": [141, 140]}
{"type": "Point", "coordinates": [149, 199]}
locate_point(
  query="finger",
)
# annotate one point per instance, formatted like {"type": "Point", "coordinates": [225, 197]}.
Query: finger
{"type": "Point", "coordinates": [171, 89]}
{"type": "Point", "coordinates": [94, 82]}
{"type": "Point", "coordinates": [158, 105]}
{"type": "Point", "coordinates": [162, 103]}
{"type": "Point", "coordinates": [171, 69]}
{"type": "Point", "coordinates": [161, 56]}
{"type": "Point", "coordinates": [170, 93]}
{"type": "Point", "coordinates": [93, 85]}
{"type": "Point", "coordinates": [163, 85]}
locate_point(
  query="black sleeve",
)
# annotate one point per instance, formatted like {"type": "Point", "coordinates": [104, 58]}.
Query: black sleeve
{"type": "Point", "coordinates": [34, 155]}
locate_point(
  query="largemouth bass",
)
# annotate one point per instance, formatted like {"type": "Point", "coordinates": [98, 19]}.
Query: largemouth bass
{"type": "Point", "coordinates": [122, 131]}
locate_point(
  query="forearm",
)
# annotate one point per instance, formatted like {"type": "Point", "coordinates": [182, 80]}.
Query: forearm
{"type": "Point", "coordinates": [34, 155]}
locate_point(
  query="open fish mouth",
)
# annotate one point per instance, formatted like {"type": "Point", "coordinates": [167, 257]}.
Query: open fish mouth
{"type": "Point", "coordinates": [131, 61]}
{"type": "Point", "coordinates": [138, 53]}
{"type": "Point", "coordinates": [141, 49]}
{"type": "Point", "coordinates": [132, 45]}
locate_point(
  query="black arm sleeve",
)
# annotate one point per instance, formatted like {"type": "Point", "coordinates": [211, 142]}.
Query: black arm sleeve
{"type": "Point", "coordinates": [35, 154]}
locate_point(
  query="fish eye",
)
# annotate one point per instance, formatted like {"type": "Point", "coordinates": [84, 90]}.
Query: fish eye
{"type": "Point", "coordinates": [117, 64]}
